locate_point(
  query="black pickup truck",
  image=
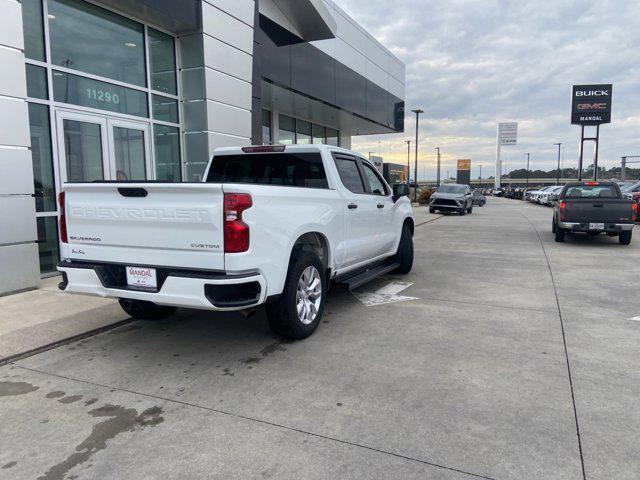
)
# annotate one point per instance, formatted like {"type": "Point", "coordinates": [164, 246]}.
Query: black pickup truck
{"type": "Point", "coordinates": [594, 208]}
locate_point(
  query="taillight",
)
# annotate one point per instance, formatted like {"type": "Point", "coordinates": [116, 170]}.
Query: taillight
{"type": "Point", "coordinates": [562, 206]}
{"type": "Point", "coordinates": [264, 149]}
{"type": "Point", "coordinates": [634, 212]}
{"type": "Point", "coordinates": [63, 219]}
{"type": "Point", "coordinates": [236, 232]}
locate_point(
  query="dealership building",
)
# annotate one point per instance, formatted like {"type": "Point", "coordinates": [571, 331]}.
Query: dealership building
{"type": "Point", "coordinates": [147, 89]}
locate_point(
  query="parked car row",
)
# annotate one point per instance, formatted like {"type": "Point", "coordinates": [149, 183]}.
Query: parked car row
{"type": "Point", "coordinates": [545, 196]}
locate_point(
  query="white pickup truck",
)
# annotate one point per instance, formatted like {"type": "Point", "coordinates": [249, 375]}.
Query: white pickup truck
{"type": "Point", "coordinates": [269, 225]}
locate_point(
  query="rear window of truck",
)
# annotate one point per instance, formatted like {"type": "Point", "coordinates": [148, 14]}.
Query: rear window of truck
{"type": "Point", "coordinates": [591, 191]}
{"type": "Point", "coordinates": [281, 169]}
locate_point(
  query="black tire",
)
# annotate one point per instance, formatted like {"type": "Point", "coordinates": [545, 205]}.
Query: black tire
{"type": "Point", "coordinates": [553, 225]}
{"type": "Point", "coordinates": [559, 234]}
{"type": "Point", "coordinates": [625, 237]}
{"type": "Point", "coordinates": [470, 209]}
{"type": "Point", "coordinates": [482, 204]}
{"type": "Point", "coordinates": [462, 211]}
{"type": "Point", "coordinates": [404, 256]}
{"type": "Point", "coordinates": [432, 210]}
{"type": "Point", "coordinates": [141, 310]}
{"type": "Point", "coordinates": [282, 314]}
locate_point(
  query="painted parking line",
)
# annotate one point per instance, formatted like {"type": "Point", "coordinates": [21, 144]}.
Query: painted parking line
{"type": "Point", "coordinates": [387, 294]}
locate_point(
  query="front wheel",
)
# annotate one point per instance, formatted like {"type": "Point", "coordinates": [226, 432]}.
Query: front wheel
{"type": "Point", "coordinates": [432, 210]}
{"type": "Point", "coordinates": [404, 255]}
{"type": "Point", "coordinates": [141, 310]}
{"type": "Point", "coordinates": [625, 237]}
{"type": "Point", "coordinates": [297, 313]}
{"type": "Point", "coordinates": [463, 211]}
{"type": "Point", "coordinates": [470, 209]}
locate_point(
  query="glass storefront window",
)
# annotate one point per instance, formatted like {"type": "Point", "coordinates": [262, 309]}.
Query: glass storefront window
{"type": "Point", "coordinates": [87, 92]}
{"type": "Point", "coordinates": [129, 153]}
{"type": "Point", "coordinates": [167, 145]}
{"type": "Point", "coordinates": [165, 109]}
{"type": "Point", "coordinates": [83, 150]}
{"type": "Point", "coordinates": [36, 82]}
{"type": "Point", "coordinates": [266, 127]}
{"type": "Point", "coordinates": [48, 243]}
{"type": "Point", "coordinates": [333, 137]}
{"type": "Point", "coordinates": [319, 134]}
{"type": "Point", "coordinates": [195, 171]}
{"type": "Point", "coordinates": [42, 158]}
{"type": "Point", "coordinates": [286, 130]}
{"type": "Point", "coordinates": [162, 57]}
{"type": "Point", "coordinates": [303, 130]}
{"type": "Point", "coordinates": [91, 39]}
{"type": "Point", "coordinates": [33, 29]}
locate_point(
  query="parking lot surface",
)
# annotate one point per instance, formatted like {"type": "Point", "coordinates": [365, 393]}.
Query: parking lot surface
{"type": "Point", "coordinates": [513, 358]}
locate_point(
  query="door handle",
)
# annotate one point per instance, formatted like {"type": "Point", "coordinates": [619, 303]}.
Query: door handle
{"type": "Point", "coordinates": [381, 205]}
{"type": "Point", "coordinates": [352, 206]}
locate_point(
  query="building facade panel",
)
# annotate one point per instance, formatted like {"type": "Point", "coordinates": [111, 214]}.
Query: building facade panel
{"type": "Point", "coordinates": [226, 28]}
{"type": "Point", "coordinates": [240, 9]}
{"type": "Point", "coordinates": [16, 173]}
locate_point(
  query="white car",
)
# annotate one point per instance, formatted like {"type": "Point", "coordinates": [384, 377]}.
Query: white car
{"type": "Point", "coordinates": [535, 195]}
{"type": "Point", "coordinates": [268, 225]}
{"type": "Point", "coordinates": [544, 198]}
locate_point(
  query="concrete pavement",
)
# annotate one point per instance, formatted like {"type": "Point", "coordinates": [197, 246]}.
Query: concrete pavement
{"type": "Point", "coordinates": [470, 380]}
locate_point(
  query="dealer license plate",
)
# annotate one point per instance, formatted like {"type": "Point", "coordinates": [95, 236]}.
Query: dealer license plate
{"type": "Point", "coordinates": [596, 226]}
{"type": "Point", "coordinates": [141, 277]}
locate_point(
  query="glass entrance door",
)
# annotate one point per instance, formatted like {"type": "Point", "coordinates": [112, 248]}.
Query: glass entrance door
{"type": "Point", "coordinates": [93, 147]}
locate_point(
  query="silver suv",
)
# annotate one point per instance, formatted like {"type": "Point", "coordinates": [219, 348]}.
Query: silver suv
{"type": "Point", "coordinates": [452, 197]}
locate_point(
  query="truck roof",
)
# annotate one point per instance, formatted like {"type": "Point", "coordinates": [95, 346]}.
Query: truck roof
{"type": "Point", "coordinates": [287, 148]}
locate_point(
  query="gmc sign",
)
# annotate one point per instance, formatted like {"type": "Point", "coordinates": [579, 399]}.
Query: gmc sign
{"type": "Point", "coordinates": [591, 104]}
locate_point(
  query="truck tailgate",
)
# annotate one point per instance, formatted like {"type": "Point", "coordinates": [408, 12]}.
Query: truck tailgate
{"type": "Point", "coordinates": [598, 210]}
{"type": "Point", "coordinates": [164, 224]}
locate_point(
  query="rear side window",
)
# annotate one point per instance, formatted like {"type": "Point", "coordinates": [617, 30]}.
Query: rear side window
{"type": "Point", "coordinates": [377, 187]}
{"type": "Point", "coordinates": [591, 191]}
{"type": "Point", "coordinates": [349, 174]}
{"type": "Point", "coordinates": [282, 169]}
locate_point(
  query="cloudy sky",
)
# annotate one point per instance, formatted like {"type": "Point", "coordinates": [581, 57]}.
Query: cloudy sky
{"type": "Point", "coordinates": [473, 63]}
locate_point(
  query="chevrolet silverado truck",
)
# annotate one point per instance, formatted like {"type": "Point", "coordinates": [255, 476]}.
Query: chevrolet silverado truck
{"type": "Point", "coordinates": [272, 225]}
{"type": "Point", "coordinates": [594, 208]}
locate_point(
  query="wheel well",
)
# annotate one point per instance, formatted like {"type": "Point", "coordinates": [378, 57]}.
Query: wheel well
{"type": "Point", "coordinates": [409, 222]}
{"type": "Point", "coordinates": [314, 242]}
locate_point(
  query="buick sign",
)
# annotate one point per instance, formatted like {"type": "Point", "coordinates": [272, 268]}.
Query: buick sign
{"type": "Point", "coordinates": [591, 104]}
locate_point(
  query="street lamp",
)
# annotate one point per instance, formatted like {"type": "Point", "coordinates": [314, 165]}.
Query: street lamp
{"type": "Point", "coordinates": [370, 155]}
{"type": "Point", "coordinates": [558, 173]}
{"type": "Point", "coordinates": [438, 174]}
{"type": "Point", "coordinates": [527, 154]}
{"type": "Point", "coordinates": [481, 175]}
{"type": "Point", "coordinates": [408, 142]}
{"type": "Point", "coordinates": [417, 111]}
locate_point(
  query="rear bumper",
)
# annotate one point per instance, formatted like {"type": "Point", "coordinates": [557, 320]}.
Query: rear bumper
{"type": "Point", "coordinates": [608, 227]}
{"type": "Point", "coordinates": [180, 288]}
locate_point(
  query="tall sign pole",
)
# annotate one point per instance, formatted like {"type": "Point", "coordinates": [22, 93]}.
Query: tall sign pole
{"type": "Point", "coordinates": [438, 174]}
{"type": "Point", "coordinates": [507, 135]}
{"type": "Point", "coordinates": [590, 106]}
{"type": "Point", "coordinates": [417, 111]}
{"type": "Point", "coordinates": [558, 171]}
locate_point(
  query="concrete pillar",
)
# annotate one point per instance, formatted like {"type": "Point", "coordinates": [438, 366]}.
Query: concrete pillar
{"type": "Point", "coordinates": [19, 268]}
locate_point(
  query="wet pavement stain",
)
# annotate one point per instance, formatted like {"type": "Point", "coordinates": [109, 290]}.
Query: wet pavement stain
{"type": "Point", "coordinates": [70, 399]}
{"type": "Point", "coordinates": [91, 401]}
{"type": "Point", "coordinates": [6, 466]}
{"type": "Point", "coordinates": [227, 373]}
{"type": "Point", "coordinates": [12, 389]}
{"type": "Point", "coordinates": [55, 394]}
{"type": "Point", "coordinates": [274, 347]}
{"type": "Point", "coordinates": [119, 420]}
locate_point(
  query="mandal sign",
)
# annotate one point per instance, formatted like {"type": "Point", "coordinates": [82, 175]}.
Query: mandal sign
{"type": "Point", "coordinates": [591, 104]}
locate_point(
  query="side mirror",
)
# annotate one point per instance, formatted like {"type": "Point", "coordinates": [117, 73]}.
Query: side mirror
{"type": "Point", "coordinates": [400, 190]}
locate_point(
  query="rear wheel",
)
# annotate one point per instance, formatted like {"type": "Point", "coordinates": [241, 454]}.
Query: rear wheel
{"type": "Point", "coordinates": [141, 310]}
{"type": "Point", "coordinates": [559, 234]}
{"type": "Point", "coordinates": [297, 313]}
{"type": "Point", "coordinates": [553, 226]}
{"type": "Point", "coordinates": [404, 255]}
{"type": "Point", "coordinates": [625, 237]}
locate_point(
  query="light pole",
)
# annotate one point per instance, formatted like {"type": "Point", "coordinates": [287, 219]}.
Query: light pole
{"type": "Point", "coordinates": [481, 175]}
{"type": "Point", "coordinates": [438, 174]}
{"type": "Point", "coordinates": [527, 154]}
{"type": "Point", "coordinates": [408, 142]}
{"type": "Point", "coordinates": [417, 111]}
{"type": "Point", "coordinates": [558, 175]}
{"type": "Point", "coordinates": [370, 155]}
